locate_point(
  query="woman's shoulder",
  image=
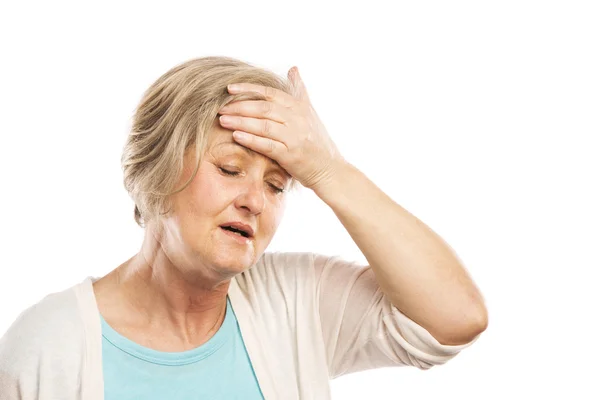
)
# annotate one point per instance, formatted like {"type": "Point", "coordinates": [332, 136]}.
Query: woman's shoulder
{"type": "Point", "coordinates": [43, 330]}
{"type": "Point", "coordinates": [284, 259]}
{"type": "Point", "coordinates": [278, 265]}
{"type": "Point", "coordinates": [289, 271]}
{"type": "Point", "coordinates": [299, 264]}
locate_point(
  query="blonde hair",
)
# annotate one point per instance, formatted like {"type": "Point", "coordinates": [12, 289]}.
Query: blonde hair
{"type": "Point", "coordinates": [175, 113]}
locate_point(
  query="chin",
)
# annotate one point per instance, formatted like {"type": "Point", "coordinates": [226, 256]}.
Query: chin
{"type": "Point", "coordinates": [231, 261]}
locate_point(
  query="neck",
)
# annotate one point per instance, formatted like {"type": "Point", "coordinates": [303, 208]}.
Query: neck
{"type": "Point", "coordinates": [190, 303]}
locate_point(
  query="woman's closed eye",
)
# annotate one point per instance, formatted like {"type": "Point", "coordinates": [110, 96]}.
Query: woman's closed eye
{"type": "Point", "coordinates": [235, 173]}
{"type": "Point", "coordinates": [232, 173]}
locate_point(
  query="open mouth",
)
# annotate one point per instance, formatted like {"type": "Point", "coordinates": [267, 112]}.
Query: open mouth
{"type": "Point", "coordinates": [237, 231]}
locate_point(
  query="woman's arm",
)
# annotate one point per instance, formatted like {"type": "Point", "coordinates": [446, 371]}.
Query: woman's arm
{"type": "Point", "coordinates": [414, 267]}
{"type": "Point", "coordinates": [416, 270]}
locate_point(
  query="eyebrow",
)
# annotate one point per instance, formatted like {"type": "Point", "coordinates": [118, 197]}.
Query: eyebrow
{"type": "Point", "coordinates": [251, 153]}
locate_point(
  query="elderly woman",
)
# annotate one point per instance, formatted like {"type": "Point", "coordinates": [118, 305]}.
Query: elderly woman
{"type": "Point", "coordinates": [202, 311]}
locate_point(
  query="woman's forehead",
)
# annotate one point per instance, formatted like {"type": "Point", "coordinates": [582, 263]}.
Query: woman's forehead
{"type": "Point", "coordinates": [223, 147]}
{"type": "Point", "coordinates": [231, 146]}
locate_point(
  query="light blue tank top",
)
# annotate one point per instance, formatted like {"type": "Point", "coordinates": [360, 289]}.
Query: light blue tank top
{"type": "Point", "coordinates": [219, 369]}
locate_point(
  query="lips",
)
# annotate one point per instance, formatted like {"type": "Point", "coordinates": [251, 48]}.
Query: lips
{"type": "Point", "coordinates": [236, 226]}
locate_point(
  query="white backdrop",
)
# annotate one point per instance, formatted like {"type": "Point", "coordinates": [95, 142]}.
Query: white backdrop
{"type": "Point", "coordinates": [481, 118]}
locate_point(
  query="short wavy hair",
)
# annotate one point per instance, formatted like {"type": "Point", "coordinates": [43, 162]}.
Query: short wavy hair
{"type": "Point", "coordinates": [176, 113]}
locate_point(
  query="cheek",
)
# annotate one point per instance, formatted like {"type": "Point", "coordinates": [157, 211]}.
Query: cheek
{"type": "Point", "coordinates": [207, 193]}
{"type": "Point", "coordinates": [201, 206]}
{"type": "Point", "coordinates": [274, 217]}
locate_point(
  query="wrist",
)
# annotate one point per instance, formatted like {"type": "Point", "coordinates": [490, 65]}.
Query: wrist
{"type": "Point", "coordinates": [338, 172]}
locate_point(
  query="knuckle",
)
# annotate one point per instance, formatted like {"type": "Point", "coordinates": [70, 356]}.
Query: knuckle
{"type": "Point", "coordinates": [267, 108]}
{"type": "Point", "coordinates": [269, 92]}
{"type": "Point", "coordinates": [266, 128]}
{"type": "Point", "coordinates": [295, 106]}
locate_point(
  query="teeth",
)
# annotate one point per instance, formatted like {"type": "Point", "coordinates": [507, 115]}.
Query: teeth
{"type": "Point", "coordinates": [234, 230]}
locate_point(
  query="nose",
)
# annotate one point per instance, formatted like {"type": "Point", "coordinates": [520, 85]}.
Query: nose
{"type": "Point", "coordinates": [252, 197]}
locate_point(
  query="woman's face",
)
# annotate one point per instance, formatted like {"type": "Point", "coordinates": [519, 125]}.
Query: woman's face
{"type": "Point", "coordinates": [233, 184]}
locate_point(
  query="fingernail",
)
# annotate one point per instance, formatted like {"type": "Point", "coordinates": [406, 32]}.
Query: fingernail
{"type": "Point", "coordinates": [240, 135]}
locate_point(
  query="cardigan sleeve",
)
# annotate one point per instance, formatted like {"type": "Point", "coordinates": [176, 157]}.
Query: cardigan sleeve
{"type": "Point", "coordinates": [41, 353]}
{"type": "Point", "coordinates": [19, 366]}
{"type": "Point", "coordinates": [362, 329]}
{"type": "Point", "coordinates": [9, 384]}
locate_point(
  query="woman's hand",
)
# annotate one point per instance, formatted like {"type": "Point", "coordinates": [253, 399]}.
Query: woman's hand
{"type": "Point", "coordinates": [285, 128]}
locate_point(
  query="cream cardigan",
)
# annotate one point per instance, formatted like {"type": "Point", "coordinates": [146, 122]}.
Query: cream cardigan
{"type": "Point", "coordinates": [305, 318]}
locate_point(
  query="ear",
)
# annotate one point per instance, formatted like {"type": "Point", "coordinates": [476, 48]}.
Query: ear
{"type": "Point", "coordinates": [299, 87]}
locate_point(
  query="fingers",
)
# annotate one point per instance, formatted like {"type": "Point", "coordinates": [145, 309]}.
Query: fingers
{"type": "Point", "coordinates": [271, 94]}
{"type": "Point", "coordinates": [257, 126]}
{"type": "Point", "coordinates": [268, 147]}
{"type": "Point", "coordinates": [258, 109]}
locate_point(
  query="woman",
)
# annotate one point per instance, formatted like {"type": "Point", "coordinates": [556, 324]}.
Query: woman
{"type": "Point", "coordinates": [202, 311]}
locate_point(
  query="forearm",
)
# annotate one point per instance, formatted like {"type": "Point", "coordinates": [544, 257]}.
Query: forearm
{"type": "Point", "coordinates": [414, 267]}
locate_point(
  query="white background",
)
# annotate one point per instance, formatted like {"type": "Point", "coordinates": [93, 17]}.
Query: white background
{"type": "Point", "coordinates": [479, 117]}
